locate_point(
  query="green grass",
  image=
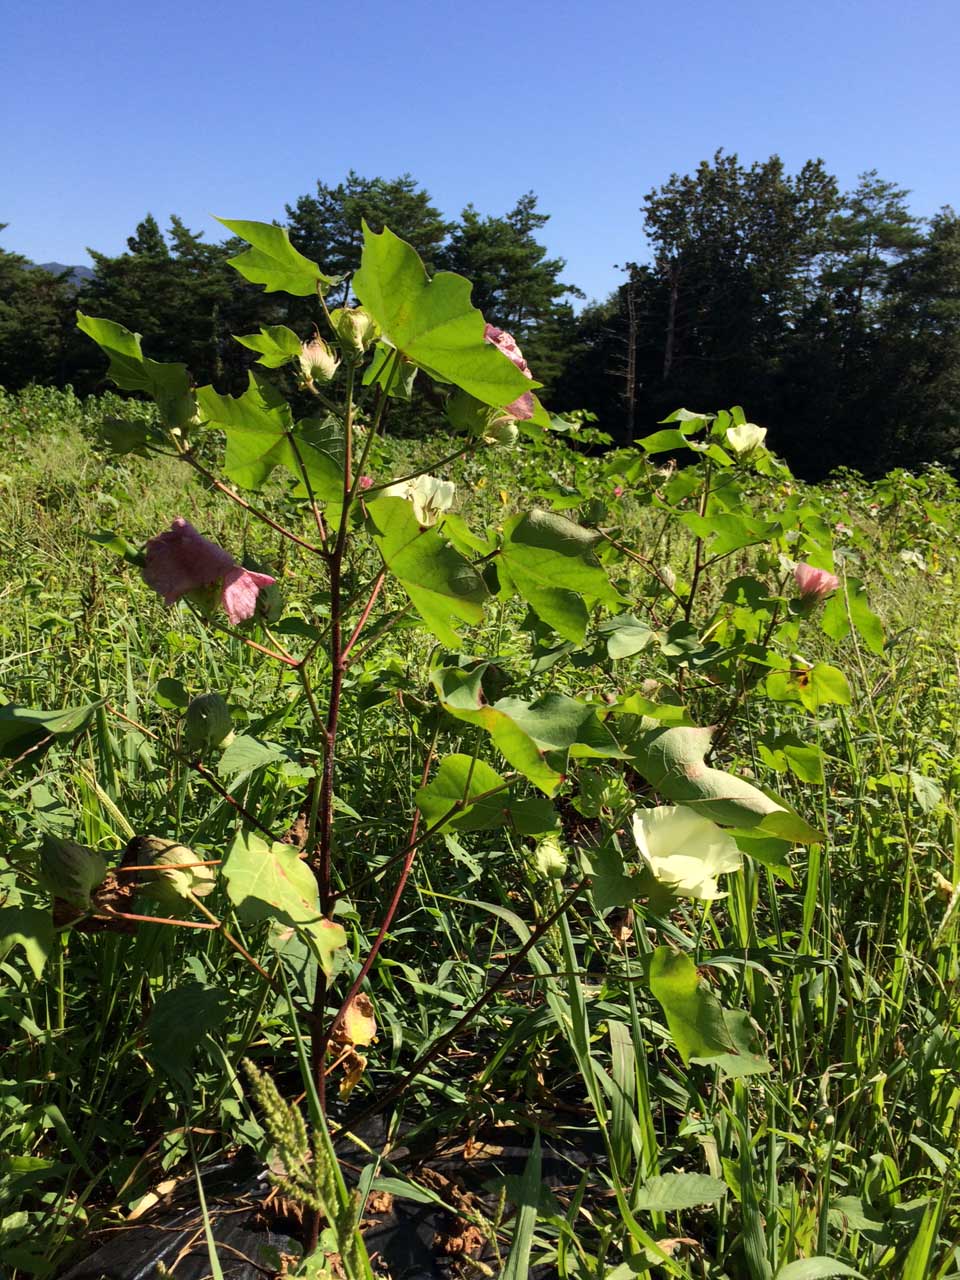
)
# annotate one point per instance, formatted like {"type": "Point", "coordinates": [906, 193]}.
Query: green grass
{"type": "Point", "coordinates": [846, 1149]}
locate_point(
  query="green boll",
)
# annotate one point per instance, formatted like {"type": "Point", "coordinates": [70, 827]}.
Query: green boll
{"type": "Point", "coordinates": [70, 871]}
{"type": "Point", "coordinates": [174, 877]}
{"type": "Point", "coordinates": [207, 724]}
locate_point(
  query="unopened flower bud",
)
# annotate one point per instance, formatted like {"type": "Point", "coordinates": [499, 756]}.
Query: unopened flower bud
{"type": "Point", "coordinates": [317, 361]}
{"type": "Point", "coordinates": [356, 329]}
{"type": "Point", "coordinates": [550, 858]}
{"type": "Point", "coordinates": [501, 431]}
{"type": "Point", "coordinates": [207, 723]}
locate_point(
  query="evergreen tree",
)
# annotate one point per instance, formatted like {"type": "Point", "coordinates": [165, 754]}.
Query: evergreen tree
{"type": "Point", "coordinates": [515, 284]}
{"type": "Point", "coordinates": [35, 309]}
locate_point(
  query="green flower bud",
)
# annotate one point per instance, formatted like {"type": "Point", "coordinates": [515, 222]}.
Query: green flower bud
{"type": "Point", "coordinates": [70, 871]}
{"type": "Point", "coordinates": [356, 329]}
{"type": "Point", "coordinates": [317, 361]}
{"type": "Point", "coordinates": [501, 431]}
{"type": "Point", "coordinates": [207, 723]}
{"type": "Point", "coordinates": [174, 877]}
{"type": "Point", "coordinates": [550, 859]}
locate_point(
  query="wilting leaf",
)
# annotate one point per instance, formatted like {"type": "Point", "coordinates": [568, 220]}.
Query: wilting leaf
{"type": "Point", "coordinates": [672, 761]}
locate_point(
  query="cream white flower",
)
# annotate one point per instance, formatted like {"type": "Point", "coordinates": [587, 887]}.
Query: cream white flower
{"type": "Point", "coordinates": [745, 438]}
{"type": "Point", "coordinates": [430, 496]}
{"type": "Point", "coordinates": [685, 852]}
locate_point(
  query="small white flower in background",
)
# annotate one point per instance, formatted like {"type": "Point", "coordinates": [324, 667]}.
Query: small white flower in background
{"type": "Point", "coordinates": [684, 852]}
{"type": "Point", "coordinates": [430, 496]}
{"type": "Point", "coordinates": [745, 438]}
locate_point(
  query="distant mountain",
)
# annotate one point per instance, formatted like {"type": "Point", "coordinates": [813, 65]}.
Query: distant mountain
{"type": "Point", "coordinates": [77, 274]}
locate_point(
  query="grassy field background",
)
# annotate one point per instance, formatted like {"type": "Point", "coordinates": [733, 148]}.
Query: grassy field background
{"type": "Point", "coordinates": [847, 965]}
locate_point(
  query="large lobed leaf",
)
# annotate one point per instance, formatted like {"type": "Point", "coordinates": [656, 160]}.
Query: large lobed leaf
{"type": "Point", "coordinates": [461, 789]}
{"type": "Point", "coordinates": [273, 261]}
{"type": "Point", "coordinates": [433, 322]}
{"type": "Point", "coordinates": [535, 737]}
{"type": "Point", "coordinates": [259, 428]}
{"type": "Point", "coordinates": [694, 1014]}
{"type": "Point", "coordinates": [549, 561]}
{"type": "Point", "coordinates": [271, 882]}
{"type": "Point", "coordinates": [167, 384]}
{"type": "Point", "coordinates": [443, 586]}
{"type": "Point", "coordinates": [673, 762]}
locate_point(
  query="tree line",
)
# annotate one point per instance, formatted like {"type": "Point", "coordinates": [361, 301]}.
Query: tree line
{"type": "Point", "coordinates": [833, 317]}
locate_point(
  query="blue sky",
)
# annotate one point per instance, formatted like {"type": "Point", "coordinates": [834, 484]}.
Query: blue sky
{"type": "Point", "coordinates": [110, 110]}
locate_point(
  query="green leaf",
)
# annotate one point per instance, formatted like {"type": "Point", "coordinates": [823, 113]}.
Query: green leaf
{"type": "Point", "coordinates": [840, 609]}
{"type": "Point", "coordinates": [259, 426]}
{"type": "Point", "coordinates": [517, 1266]}
{"type": "Point", "coordinates": [171, 694]}
{"type": "Point", "coordinates": [119, 545]}
{"type": "Point", "coordinates": [926, 791]}
{"type": "Point", "coordinates": [271, 882]}
{"type": "Point", "coordinates": [768, 850]}
{"type": "Point", "coordinates": [748, 1058]}
{"type": "Point", "coordinates": [536, 737]}
{"type": "Point", "coordinates": [670, 1192]}
{"type": "Point", "coordinates": [443, 586]}
{"type": "Point", "coordinates": [25, 728]}
{"type": "Point", "coordinates": [728, 532]}
{"type": "Point", "coordinates": [549, 561]}
{"type": "Point", "coordinates": [672, 761]}
{"type": "Point", "coordinates": [70, 871]}
{"type": "Point", "coordinates": [663, 442]}
{"type": "Point", "coordinates": [818, 1268]}
{"type": "Point", "coordinates": [277, 345]}
{"type": "Point", "coordinates": [610, 884]}
{"type": "Point", "coordinates": [167, 384]}
{"type": "Point", "coordinates": [273, 261]}
{"type": "Point", "coordinates": [245, 754]}
{"type": "Point", "coordinates": [813, 687]}
{"type": "Point", "coordinates": [626, 636]}
{"type": "Point", "coordinates": [460, 778]}
{"type": "Point", "coordinates": [30, 928]}
{"type": "Point", "coordinates": [432, 322]}
{"type": "Point", "coordinates": [694, 1015]}
{"type": "Point", "coordinates": [179, 1022]}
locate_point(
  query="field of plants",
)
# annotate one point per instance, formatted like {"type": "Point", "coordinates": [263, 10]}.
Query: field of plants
{"type": "Point", "coordinates": [489, 854]}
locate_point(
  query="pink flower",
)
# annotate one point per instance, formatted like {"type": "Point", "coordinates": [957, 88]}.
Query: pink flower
{"type": "Point", "coordinates": [618, 490]}
{"type": "Point", "coordinates": [366, 482]}
{"type": "Point", "coordinates": [815, 584]}
{"type": "Point", "coordinates": [181, 560]}
{"type": "Point", "coordinates": [522, 407]}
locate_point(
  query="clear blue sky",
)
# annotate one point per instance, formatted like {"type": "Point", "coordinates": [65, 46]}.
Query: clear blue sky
{"type": "Point", "coordinates": [109, 110]}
